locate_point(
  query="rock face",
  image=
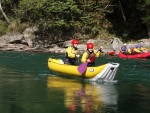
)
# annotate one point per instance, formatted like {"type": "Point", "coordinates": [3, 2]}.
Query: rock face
{"type": "Point", "coordinates": [91, 41]}
{"type": "Point", "coordinates": [29, 36]}
{"type": "Point", "coordinates": [145, 42]}
{"type": "Point", "coordinates": [11, 38]}
{"type": "Point", "coordinates": [67, 44]}
{"type": "Point", "coordinates": [116, 44]}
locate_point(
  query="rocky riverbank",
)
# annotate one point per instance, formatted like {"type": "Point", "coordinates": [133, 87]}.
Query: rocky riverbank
{"type": "Point", "coordinates": [19, 43]}
{"type": "Point", "coordinates": [26, 42]}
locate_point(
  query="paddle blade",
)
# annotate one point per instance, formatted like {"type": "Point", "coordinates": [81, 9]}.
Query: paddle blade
{"type": "Point", "coordinates": [82, 68]}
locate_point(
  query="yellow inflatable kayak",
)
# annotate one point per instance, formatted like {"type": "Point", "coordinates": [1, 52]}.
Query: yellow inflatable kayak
{"type": "Point", "coordinates": [105, 72]}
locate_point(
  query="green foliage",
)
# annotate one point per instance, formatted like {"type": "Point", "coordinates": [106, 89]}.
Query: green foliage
{"type": "Point", "coordinates": [73, 15]}
{"type": "Point", "coordinates": [136, 20]}
{"type": "Point", "coordinates": [144, 7]}
{"type": "Point", "coordinates": [61, 18]}
{"type": "Point", "coordinates": [146, 20]}
{"type": "Point", "coordinates": [16, 26]}
{"type": "Point", "coordinates": [3, 27]}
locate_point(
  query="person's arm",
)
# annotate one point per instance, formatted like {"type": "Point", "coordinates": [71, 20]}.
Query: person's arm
{"type": "Point", "coordinates": [97, 53]}
{"type": "Point", "coordinates": [137, 51]}
{"type": "Point", "coordinates": [101, 49]}
{"type": "Point", "coordinates": [128, 51]}
{"type": "Point", "coordinates": [84, 57]}
{"type": "Point", "coordinates": [71, 53]}
{"type": "Point", "coordinates": [143, 48]}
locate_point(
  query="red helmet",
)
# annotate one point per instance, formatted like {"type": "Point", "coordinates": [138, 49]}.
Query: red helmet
{"type": "Point", "coordinates": [75, 41]}
{"type": "Point", "coordinates": [90, 46]}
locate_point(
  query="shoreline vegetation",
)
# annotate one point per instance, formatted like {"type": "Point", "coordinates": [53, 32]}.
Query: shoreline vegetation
{"type": "Point", "coordinates": [48, 26]}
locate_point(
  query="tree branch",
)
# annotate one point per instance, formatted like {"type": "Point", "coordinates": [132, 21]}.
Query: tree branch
{"type": "Point", "coordinates": [122, 12]}
{"type": "Point", "coordinates": [3, 12]}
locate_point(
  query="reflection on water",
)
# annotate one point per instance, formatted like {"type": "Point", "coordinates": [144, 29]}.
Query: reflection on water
{"type": "Point", "coordinates": [85, 97]}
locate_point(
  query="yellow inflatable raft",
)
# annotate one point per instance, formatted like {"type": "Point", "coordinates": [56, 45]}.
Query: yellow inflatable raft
{"type": "Point", "coordinates": [105, 72]}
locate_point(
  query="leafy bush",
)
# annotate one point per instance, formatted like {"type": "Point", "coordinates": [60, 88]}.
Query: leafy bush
{"type": "Point", "coordinates": [3, 27]}
{"type": "Point", "coordinates": [17, 27]}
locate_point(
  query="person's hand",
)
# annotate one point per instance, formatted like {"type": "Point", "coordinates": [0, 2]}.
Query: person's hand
{"type": "Point", "coordinates": [88, 60]}
{"type": "Point", "coordinates": [100, 48]}
{"type": "Point", "coordinates": [77, 56]}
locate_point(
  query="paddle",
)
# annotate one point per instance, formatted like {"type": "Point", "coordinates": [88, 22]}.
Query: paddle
{"type": "Point", "coordinates": [82, 67]}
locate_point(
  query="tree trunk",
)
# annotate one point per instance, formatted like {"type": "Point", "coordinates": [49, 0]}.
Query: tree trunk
{"type": "Point", "coordinates": [1, 9]}
{"type": "Point", "coordinates": [124, 18]}
{"type": "Point", "coordinates": [148, 30]}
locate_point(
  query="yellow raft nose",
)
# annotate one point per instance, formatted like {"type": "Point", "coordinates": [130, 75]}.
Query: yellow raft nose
{"type": "Point", "coordinates": [58, 61]}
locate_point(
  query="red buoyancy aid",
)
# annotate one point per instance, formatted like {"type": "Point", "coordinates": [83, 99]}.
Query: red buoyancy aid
{"type": "Point", "coordinates": [91, 57]}
{"type": "Point", "coordinates": [132, 50]}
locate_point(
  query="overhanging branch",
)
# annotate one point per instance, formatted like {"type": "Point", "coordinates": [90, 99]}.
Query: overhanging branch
{"type": "Point", "coordinates": [1, 9]}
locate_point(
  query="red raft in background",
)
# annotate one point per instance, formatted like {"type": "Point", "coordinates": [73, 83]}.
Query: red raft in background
{"type": "Point", "coordinates": [141, 55]}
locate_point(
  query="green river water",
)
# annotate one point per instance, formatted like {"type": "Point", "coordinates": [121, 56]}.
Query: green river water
{"type": "Point", "coordinates": [27, 86]}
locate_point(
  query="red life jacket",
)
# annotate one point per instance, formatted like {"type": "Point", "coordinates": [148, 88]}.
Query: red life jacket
{"type": "Point", "coordinates": [91, 56]}
{"type": "Point", "coordinates": [132, 50]}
